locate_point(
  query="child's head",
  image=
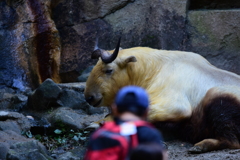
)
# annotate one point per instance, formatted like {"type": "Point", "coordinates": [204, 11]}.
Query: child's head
{"type": "Point", "coordinates": [132, 99]}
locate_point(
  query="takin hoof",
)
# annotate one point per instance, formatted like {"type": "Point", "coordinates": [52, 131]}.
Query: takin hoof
{"type": "Point", "coordinates": [196, 150]}
{"type": "Point", "coordinates": [93, 126]}
{"type": "Point", "coordinates": [205, 145]}
{"type": "Point", "coordinates": [96, 125]}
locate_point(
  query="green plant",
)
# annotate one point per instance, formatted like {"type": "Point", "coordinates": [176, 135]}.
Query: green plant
{"type": "Point", "coordinates": [61, 138]}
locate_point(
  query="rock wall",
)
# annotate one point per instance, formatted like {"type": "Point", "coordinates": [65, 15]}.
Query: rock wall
{"type": "Point", "coordinates": [43, 39]}
{"type": "Point", "coordinates": [215, 34]}
{"type": "Point", "coordinates": [29, 42]}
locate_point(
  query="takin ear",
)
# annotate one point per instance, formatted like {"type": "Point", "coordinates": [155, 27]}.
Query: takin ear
{"type": "Point", "coordinates": [127, 60]}
{"type": "Point", "coordinates": [130, 59]}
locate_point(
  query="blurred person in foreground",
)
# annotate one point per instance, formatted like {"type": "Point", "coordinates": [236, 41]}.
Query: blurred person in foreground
{"type": "Point", "coordinates": [149, 151]}
{"type": "Point", "coordinates": [116, 139]}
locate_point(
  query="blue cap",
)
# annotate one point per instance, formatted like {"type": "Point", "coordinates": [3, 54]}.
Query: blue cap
{"type": "Point", "coordinates": [140, 97]}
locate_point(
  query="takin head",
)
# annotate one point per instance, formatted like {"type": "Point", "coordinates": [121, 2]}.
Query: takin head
{"type": "Point", "coordinates": [109, 75]}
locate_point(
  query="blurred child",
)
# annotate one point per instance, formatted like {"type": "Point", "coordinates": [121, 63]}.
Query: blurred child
{"type": "Point", "coordinates": [115, 139]}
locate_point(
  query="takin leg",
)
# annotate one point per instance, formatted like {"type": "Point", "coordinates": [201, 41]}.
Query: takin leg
{"type": "Point", "coordinates": [219, 118]}
{"type": "Point", "coordinates": [99, 123]}
{"type": "Point", "coordinates": [96, 124]}
{"type": "Point", "coordinates": [208, 145]}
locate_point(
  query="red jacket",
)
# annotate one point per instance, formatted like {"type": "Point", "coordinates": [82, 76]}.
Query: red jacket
{"type": "Point", "coordinates": [113, 141]}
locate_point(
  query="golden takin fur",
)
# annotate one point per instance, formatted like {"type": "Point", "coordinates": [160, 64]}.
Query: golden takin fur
{"type": "Point", "coordinates": [188, 95]}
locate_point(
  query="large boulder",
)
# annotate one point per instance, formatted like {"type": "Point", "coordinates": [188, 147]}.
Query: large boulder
{"type": "Point", "coordinates": [7, 138]}
{"type": "Point", "coordinates": [45, 96]}
{"type": "Point", "coordinates": [18, 102]}
{"type": "Point", "coordinates": [73, 99]}
{"type": "Point", "coordinates": [51, 95]}
{"type": "Point", "coordinates": [73, 119]}
{"type": "Point", "coordinates": [14, 146]}
{"type": "Point", "coordinates": [149, 23]}
{"type": "Point", "coordinates": [30, 150]}
{"type": "Point", "coordinates": [14, 121]}
{"type": "Point", "coordinates": [11, 100]}
{"type": "Point", "coordinates": [67, 156]}
{"type": "Point", "coordinates": [215, 35]}
{"type": "Point", "coordinates": [6, 99]}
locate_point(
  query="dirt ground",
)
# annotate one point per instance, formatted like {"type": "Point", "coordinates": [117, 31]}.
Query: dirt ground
{"type": "Point", "coordinates": [178, 150]}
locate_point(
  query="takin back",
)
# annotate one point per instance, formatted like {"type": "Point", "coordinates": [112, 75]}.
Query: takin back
{"type": "Point", "coordinates": [188, 95]}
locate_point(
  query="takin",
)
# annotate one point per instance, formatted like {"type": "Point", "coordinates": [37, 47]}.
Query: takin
{"type": "Point", "coordinates": [188, 95]}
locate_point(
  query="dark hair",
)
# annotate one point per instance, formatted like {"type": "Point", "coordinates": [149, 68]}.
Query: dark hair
{"type": "Point", "coordinates": [148, 151]}
{"type": "Point", "coordinates": [131, 106]}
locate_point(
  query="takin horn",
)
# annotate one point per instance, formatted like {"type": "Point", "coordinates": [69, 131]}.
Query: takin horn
{"type": "Point", "coordinates": [106, 58]}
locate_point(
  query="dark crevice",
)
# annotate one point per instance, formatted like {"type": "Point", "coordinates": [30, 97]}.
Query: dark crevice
{"type": "Point", "coordinates": [5, 118]}
{"type": "Point", "coordinates": [79, 19]}
{"type": "Point", "coordinates": [44, 40]}
{"type": "Point", "coordinates": [213, 4]}
{"type": "Point", "coordinates": [118, 8]}
{"type": "Point", "coordinates": [113, 10]}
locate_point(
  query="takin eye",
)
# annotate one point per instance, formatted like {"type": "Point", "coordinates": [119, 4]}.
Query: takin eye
{"type": "Point", "coordinates": [109, 71]}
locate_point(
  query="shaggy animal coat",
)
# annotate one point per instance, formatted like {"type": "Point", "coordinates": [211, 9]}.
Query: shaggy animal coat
{"type": "Point", "coordinates": [188, 95]}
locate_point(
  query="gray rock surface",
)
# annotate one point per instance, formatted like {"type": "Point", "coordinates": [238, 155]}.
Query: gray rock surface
{"type": "Point", "coordinates": [67, 156]}
{"type": "Point", "coordinates": [215, 35]}
{"type": "Point", "coordinates": [14, 121]}
{"type": "Point", "coordinates": [73, 99]}
{"type": "Point", "coordinates": [7, 138]}
{"type": "Point", "coordinates": [14, 146]}
{"type": "Point", "coordinates": [17, 102]}
{"type": "Point", "coordinates": [85, 74]}
{"type": "Point", "coordinates": [28, 37]}
{"type": "Point", "coordinates": [79, 87]}
{"type": "Point", "coordinates": [30, 150]}
{"type": "Point", "coordinates": [73, 119]}
{"type": "Point", "coordinates": [75, 115]}
{"type": "Point", "coordinates": [45, 96]}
